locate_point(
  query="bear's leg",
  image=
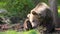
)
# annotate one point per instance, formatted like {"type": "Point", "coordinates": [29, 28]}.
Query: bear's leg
{"type": "Point", "coordinates": [50, 28]}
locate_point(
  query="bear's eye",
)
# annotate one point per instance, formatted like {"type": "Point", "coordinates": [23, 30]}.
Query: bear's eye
{"type": "Point", "coordinates": [34, 13]}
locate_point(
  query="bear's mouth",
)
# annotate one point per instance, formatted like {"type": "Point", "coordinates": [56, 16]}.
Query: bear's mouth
{"type": "Point", "coordinates": [34, 25]}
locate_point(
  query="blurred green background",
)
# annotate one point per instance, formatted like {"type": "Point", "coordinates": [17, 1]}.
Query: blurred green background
{"type": "Point", "coordinates": [20, 8]}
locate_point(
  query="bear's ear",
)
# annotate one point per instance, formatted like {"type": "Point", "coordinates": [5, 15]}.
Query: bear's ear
{"type": "Point", "coordinates": [34, 13]}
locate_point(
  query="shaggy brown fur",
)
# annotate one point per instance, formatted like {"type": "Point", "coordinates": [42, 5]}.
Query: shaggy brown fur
{"type": "Point", "coordinates": [41, 15]}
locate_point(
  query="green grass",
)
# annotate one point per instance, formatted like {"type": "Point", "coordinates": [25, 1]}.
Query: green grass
{"type": "Point", "coordinates": [25, 32]}
{"type": "Point", "coordinates": [31, 32]}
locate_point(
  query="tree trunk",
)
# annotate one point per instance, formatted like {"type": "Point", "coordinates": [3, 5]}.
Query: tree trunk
{"type": "Point", "coordinates": [53, 7]}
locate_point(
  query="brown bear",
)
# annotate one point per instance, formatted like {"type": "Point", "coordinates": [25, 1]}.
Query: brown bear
{"type": "Point", "coordinates": [41, 15]}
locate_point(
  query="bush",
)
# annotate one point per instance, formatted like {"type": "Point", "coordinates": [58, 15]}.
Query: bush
{"type": "Point", "coordinates": [19, 7]}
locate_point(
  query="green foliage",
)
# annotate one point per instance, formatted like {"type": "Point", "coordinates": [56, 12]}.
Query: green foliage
{"type": "Point", "coordinates": [31, 32]}
{"type": "Point", "coordinates": [19, 7]}
{"type": "Point", "coordinates": [58, 11]}
{"type": "Point", "coordinates": [2, 4]}
{"type": "Point", "coordinates": [25, 32]}
{"type": "Point", "coordinates": [46, 1]}
{"type": "Point", "coordinates": [58, 1]}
